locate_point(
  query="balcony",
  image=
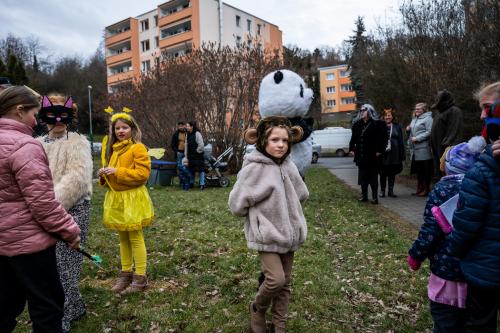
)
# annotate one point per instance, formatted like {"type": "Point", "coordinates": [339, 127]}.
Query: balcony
{"type": "Point", "coordinates": [175, 17]}
{"type": "Point", "coordinates": [119, 57]}
{"type": "Point", "coordinates": [177, 51]}
{"type": "Point", "coordinates": [120, 37]}
{"type": "Point", "coordinates": [119, 77]}
{"type": "Point", "coordinates": [176, 34]}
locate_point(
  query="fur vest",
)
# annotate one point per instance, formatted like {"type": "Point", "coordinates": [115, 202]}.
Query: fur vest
{"type": "Point", "coordinates": [70, 163]}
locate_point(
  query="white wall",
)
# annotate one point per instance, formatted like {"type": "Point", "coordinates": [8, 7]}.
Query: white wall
{"type": "Point", "coordinates": [150, 34]}
{"type": "Point", "coordinates": [209, 21]}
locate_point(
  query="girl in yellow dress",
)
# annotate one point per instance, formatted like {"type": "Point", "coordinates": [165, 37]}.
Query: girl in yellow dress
{"type": "Point", "coordinates": [127, 205]}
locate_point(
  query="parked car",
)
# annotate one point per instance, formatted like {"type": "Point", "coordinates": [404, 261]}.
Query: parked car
{"type": "Point", "coordinates": [333, 140]}
{"type": "Point", "coordinates": [316, 151]}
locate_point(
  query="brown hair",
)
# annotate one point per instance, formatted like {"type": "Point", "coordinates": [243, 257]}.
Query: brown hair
{"type": "Point", "coordinates": [392, 111]}
{"type": "Point", "coordinates": [492, 89]}
{"type": "Point", "coordinates": [14, 96]}
{"type": "Point", "coordinates": [136, 134]}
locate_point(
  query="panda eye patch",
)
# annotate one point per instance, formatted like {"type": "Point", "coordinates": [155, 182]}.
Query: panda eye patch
{"type": "Point", "coordinates": [301, 91]}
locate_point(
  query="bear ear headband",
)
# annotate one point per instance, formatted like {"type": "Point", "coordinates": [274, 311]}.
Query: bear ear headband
{"type": "Point", "coordinates": [53, 114]}
{"type": "Point", "coordinates": [250, 135]}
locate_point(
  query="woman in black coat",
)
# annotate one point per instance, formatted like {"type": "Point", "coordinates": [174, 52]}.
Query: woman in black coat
{"type": "Point", "coordinates": [195, 154]}
{"type": "Point", "coordinates": [368, 143]}
{"type": "Point", "coordinates": [392, 160]}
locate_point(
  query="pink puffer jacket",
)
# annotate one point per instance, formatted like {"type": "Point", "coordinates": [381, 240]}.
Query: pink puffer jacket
{"type": "Point", "coordinates": [28, 208]}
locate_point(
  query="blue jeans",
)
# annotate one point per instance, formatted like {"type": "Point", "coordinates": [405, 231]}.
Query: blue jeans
{"type": "Point", "coordinates": [185, 177]}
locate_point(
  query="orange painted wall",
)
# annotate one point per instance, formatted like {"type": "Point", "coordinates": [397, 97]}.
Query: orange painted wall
{"type": "Point", "coordinates": [337, 82]}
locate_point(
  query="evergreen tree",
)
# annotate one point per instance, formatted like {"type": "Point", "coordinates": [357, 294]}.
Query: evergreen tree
{"type": "Point", "coordinates": [3, 69]}
{"type": "Point", "coordinates": [357, 52]}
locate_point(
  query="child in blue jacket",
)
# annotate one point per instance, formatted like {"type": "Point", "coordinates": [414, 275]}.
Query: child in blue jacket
{"type": "Point", "coordinates": [447, 289]}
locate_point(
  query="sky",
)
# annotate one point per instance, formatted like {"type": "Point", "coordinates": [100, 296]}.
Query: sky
{"type": "Point", "coordinates": [69, 28]}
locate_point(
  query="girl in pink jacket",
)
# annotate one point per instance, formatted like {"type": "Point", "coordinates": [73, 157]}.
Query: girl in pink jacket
{"type": "Point", "coordinates": [31, 217]}
{"type": "Point", "coordinates": [269, 192]}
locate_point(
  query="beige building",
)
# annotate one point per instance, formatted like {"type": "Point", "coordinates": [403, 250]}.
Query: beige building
{"type": "Point", "coordinates": [174, 28]}
{"type": "Point", "coordinates": [337, 94]}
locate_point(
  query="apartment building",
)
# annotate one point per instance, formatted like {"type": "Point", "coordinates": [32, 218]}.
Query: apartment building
{"type": "Point", "coordinates": [174, 28]}
{"type": "Point", "coordinates": [337, 94]}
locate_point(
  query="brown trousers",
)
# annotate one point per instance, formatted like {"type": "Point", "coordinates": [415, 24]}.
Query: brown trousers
{"type": "Point", "coordinates": [276, 287]}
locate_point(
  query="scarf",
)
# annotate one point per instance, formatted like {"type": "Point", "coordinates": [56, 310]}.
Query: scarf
{"type": "Point", "coordinates": [119, 148]}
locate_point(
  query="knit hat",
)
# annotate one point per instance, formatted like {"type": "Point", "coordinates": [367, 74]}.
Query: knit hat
{"type": "Point", "coordinates": [460, 158]}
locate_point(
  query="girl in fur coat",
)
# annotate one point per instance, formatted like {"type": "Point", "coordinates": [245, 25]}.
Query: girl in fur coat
{"type": "Point", "coordinates": [269, 192]}
{"type": "Point", "coordinates": [70, 163]}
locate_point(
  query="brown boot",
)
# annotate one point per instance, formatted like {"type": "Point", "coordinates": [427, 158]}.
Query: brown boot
{"type": "Point", "coordinates": [275, 329]}
{"type": "Point", "coordinates": [257, 320]}
{"type": "Point", "coordinates": [123, 281]}
{"type": "Point", "coordinates": [139, 283]}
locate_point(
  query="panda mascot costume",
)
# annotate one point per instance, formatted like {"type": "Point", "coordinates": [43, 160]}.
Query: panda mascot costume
{"type": "Point", "coordinates": [284, 93]}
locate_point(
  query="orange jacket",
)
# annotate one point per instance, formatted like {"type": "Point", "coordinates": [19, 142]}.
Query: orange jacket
{"type": "Point", "coordinates": [133, 169]}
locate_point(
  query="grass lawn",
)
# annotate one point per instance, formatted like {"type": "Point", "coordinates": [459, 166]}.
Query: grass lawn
{"type": "Point", "coordinates": [350, 276]}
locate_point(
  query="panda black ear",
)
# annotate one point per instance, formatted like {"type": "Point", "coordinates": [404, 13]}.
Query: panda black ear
{"type": "Point", "coordinates": [278, 77]}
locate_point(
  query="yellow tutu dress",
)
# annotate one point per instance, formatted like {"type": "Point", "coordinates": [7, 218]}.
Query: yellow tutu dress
{"type": "Point", "coordinates": [127, 205]}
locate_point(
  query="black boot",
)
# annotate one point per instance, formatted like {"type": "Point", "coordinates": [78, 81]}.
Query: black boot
{"type": "Point", "coordinates": [374, 196]}
{"type": "Point", "coordinates": [364, 193]}
{"type": "Point", "coordinates": [390, 193]}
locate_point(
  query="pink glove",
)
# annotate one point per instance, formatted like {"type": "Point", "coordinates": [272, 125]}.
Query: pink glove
{"type": "Point", "coordinates": [414, 264]}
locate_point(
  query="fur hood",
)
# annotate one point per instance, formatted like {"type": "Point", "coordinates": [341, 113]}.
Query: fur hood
{"type": "Point", "coordinates": [70, 163]}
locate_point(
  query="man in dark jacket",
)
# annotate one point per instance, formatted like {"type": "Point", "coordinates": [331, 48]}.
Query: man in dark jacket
{"type": "Point", "coordinates": [447, 127]}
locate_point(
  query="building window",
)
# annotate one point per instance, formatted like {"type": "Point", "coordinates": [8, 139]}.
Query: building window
{"type": "Point", "coordinates": [145, 66]}
{"type": "Point", "coordinates": [331, 103]}
{"type": "Point", "coordinates": [330, 76]}
{"type": "Point", "coordinates": [249, 25]}
{"type": "Point", "coordinates": [344, 73]}
{"type": "Point", "coordinates": [238, 40]}
{"type": "Point", "coordinates": [156, 20]}
{"type": "Point", "coordinates": [145, 25]}
{"type": "Point", "coordinates": [238, 19]}
{"type": "Point", "coordinates": [330, 90]}
{"type": "Point", "coordinates": [145, 45]}
{"type": "Point", "coordinates": [346, 87]}
{"type": "Point", "coordinates": [258, 29]}
{"type": "Point", "coordinates": [157, 42]}
{"type": "Point", "coordinates": [350, 100]}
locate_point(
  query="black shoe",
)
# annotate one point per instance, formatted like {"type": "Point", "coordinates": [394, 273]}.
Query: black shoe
{"type": "Point", "coordinates": [392, 195]}
{"type": "Point", "coordinates": [374, 201]}
{"type": "Point", "coordinates": [363, 199]}
{"type": "Point", "coordinates": [202, 187]}
{"type": "Point", "coordinates": [382, 194]}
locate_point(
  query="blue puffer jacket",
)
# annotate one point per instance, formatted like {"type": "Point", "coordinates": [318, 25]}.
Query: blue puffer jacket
{"type": "Point", "coordinates": [476, 234]}
{"type": "Point", "coordinates": [430, 242]}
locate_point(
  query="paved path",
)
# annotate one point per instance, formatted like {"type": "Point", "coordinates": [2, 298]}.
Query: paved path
{"type": "Point", "coordinates": [405, 205]}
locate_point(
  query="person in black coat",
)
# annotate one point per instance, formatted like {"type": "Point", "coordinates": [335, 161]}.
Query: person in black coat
{"type": "Point", "coordinates": [195, 154]}
{"type": "Point", "coordinates": [368, 143]}
{"type": "Point", "coordinates": [447, 127]}
{"type": "Point", "coordinates": [392, 160]}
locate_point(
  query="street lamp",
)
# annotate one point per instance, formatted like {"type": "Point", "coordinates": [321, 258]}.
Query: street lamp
{"type": "Point", "coordinates": [90, 120]}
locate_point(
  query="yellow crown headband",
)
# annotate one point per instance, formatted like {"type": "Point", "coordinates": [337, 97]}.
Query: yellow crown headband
{"type": "Point", "coordinates": [119, 115]}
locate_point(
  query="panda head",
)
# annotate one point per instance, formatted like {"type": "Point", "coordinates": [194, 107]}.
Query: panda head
{"type": "Point", "coordinates": [284, 93]}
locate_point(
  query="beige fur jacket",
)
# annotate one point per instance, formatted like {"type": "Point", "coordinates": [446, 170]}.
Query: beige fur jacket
{"type": "Point", "coordinates": [270, 197]}
{"type": "Point", "coordinates": [70, 163]}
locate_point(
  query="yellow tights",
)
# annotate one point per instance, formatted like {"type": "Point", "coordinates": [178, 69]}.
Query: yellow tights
{"type": "Point", "coordinates": [133, 250]}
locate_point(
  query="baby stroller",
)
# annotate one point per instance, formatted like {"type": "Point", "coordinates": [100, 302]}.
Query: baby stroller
{"type": "Point", "coordinates": [215, 168]}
